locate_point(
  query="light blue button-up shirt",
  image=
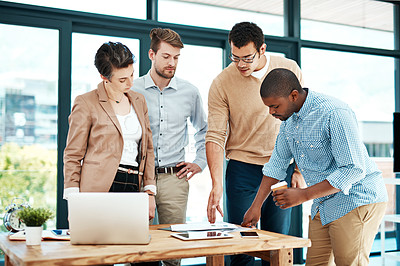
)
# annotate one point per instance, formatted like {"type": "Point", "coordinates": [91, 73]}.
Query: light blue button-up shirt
{"type": "Point", "coordinates": [323, 138]}
{"type": "Point", "coordinates": [169, 111]}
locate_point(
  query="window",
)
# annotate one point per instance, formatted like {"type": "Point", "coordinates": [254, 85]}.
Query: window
{"type": "Point", "coordinates": [120, 8]}
{"type": "Point", "coordinates": [365, 82]}
{"type": "Point", "coordinates": [361, 22]}
{"type": "Point", "coordinates": [268, 15]}
{"type": "Point", "coordinates": [29, 87]}
{"type": "Point", "coordinates": [28, 115]}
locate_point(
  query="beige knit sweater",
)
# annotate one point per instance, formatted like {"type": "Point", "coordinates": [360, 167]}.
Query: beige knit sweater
{"type": "Point", "coordinates": [238, 120]}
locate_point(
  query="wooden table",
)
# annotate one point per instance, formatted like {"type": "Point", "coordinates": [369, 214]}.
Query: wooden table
{"type": "Point", "coordinates": [276, 248]}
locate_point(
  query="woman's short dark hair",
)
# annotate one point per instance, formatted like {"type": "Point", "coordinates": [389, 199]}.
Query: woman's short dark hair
{"type": "Point", "coordinates": [112, 55]}
{"type": "Point", "coordinates": [245, 32]}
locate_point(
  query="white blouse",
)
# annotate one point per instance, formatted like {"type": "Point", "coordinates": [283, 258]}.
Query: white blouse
{"type": "Point", "coordinates": [131, 134]}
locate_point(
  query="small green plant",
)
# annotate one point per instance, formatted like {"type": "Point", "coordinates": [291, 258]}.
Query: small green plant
{"type": "Point", "coordinates": [35, 216]}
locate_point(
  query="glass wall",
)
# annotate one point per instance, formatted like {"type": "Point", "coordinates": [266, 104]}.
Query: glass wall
{"type": "Point", "coordinates": [28, 115]}
{"type": "Point", "coordinates": [361, 22]}
{"type": "Point", "coordinates": [120, 8]}
{"type": "Point", "coordinates": [365, 82]}
{"type": "Point", "coordinates": [224, 14]}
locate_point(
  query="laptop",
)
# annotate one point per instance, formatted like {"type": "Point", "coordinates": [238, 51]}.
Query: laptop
{"type": "Point", "coordinates": [108, 218]}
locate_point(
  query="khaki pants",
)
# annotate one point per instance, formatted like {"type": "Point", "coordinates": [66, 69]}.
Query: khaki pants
{"type": "Point", "coordinates": [171, 202]}
{"type": "Point", "coordinates": [347, 240]}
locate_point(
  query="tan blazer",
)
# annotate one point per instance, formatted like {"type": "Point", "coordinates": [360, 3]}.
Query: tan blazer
{"type": "Point", "coordinates": [94, 143]}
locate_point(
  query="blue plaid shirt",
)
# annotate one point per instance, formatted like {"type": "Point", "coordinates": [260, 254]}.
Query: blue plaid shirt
{"type": "Point", "coordinates": [323, 139]}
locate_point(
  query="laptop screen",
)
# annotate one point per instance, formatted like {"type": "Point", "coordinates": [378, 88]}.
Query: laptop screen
{"type": "Point", "coordinates": [109, 218]}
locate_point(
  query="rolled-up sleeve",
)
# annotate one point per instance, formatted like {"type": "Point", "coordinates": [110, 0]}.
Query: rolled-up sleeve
{"type": "Point", "coordinates": [347, 150]}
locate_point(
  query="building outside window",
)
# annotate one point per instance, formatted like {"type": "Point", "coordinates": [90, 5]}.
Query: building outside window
{"type": "Point", "coordinates": [28, 115]}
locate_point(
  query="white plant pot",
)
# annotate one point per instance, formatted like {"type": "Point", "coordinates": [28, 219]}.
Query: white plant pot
{"type": "Point", "coordinates": [33, 235]}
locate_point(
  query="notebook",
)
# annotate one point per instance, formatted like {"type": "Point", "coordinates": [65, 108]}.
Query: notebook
{"type": "Point", "coordinates": [108, 218]}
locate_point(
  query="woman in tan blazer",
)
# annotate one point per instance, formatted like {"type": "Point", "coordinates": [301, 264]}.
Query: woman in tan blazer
{"type": "Point", "coordinates": [109, 145]}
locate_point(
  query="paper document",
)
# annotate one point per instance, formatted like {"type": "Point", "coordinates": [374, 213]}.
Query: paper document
{"type": "Point", "coordinates": [46, 235]}
{"type": "Point", "coordinates": [202, 226]}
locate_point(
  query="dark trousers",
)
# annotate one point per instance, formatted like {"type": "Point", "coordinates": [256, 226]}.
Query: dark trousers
{"type": "Point", "coordinates": [124, 182]}
{"type": "Point", "coordinates": [242, 182]}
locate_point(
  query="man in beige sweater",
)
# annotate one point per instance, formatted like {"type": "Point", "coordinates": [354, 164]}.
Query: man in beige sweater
{"type": "Point", "coordinates": [240, 124]}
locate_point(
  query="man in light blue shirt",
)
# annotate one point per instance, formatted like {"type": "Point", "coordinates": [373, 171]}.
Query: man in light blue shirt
{"type": "Point", "coordinates": [349, 194]}
{"type": "Point", "coordinates": [171, 102]}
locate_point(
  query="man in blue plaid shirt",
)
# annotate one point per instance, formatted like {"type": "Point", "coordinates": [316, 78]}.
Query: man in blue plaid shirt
{"type": "Point", "coordinates": [347, 189]}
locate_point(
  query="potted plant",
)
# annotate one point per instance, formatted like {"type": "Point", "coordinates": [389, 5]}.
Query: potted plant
{"type": "Point", "coordinates": [34, 218]}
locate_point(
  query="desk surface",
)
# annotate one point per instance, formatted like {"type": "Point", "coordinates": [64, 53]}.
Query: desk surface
{"type": "Point", "coordinates": [162, 246]}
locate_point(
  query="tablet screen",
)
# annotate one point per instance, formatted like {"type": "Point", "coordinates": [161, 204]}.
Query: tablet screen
{"type": "Point", "coordinates": [198, 235]}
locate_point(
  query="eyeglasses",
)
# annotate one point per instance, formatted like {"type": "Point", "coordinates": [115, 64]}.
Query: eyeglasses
{"type": "Point", "coordinates": [248, 59]}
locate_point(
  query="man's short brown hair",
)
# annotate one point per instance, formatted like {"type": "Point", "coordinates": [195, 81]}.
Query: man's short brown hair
{"type": "Point", "coordinates": [157, 35]}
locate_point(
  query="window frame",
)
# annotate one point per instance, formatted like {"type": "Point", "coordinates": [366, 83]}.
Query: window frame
{"type": "Point", "coordinates": [68, 22]}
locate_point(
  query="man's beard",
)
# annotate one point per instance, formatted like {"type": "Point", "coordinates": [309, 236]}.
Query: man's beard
{"type": "Point", "coordinates": [161, 74]}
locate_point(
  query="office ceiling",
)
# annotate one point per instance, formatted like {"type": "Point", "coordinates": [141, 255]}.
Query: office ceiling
{"type": "Point", "coordinates": [360, 13]}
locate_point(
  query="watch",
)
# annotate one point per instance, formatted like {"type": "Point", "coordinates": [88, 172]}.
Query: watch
{"type": "Point", "coordinates": [10, 219]}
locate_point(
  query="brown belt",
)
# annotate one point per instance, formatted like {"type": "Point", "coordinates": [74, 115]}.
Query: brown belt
{"type": "Point", "coordinates": [129, 171]}
{"type": "Point", "coordinates": [168, 170]}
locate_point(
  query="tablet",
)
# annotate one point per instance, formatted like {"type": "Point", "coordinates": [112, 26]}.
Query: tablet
{"type": "Point", "coordinates": [201, 235]}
